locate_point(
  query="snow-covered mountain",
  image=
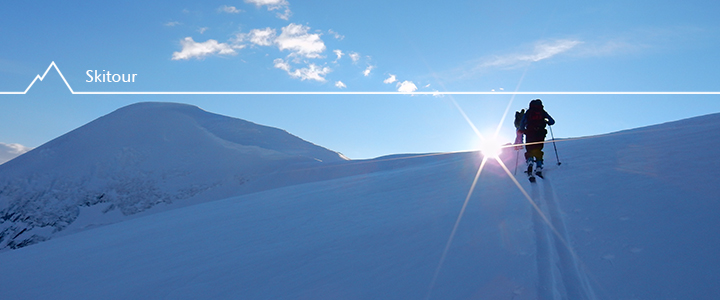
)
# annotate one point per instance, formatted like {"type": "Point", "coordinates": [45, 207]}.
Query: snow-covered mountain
{"type": "Point", "coordinates": [134, 159]}
{"type": "Point", "coordinates": [628, 215]}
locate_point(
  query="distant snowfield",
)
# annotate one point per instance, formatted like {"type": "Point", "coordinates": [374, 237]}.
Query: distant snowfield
{"type": "Point", "coordinates": [632, 215]}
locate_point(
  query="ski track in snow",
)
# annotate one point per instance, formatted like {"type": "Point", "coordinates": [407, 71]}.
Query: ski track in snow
{"type": "Point", "coordinates": [543, 253]}
{"type": "Point", "coordinates": [566, 281]}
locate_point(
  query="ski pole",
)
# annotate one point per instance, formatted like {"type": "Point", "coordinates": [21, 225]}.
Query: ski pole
{"type": "Point", "coordinates": [517, 154]}
{"type": "Point", "coordinates": [553, 139]}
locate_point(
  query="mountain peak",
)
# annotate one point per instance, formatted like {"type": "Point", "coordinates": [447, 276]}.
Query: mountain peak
{"type": "Point", "coordinates": [136, 158]}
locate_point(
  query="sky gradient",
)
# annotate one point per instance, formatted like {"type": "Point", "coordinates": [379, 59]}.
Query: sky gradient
{"type": "Point", "coordinates": [363, 46]}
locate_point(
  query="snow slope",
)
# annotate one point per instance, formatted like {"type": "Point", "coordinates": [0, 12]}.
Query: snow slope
{"type": "Point", "coordinates": [134, 159]}
{"type": "Point", "coordinates": [628, 215]}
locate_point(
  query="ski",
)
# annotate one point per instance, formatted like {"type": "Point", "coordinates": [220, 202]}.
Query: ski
{"type": "Point", "coordinates": [530, 173]}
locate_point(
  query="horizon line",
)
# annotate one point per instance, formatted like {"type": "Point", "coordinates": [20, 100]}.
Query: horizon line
{"type": "Point", "coordinates": [433, 93]}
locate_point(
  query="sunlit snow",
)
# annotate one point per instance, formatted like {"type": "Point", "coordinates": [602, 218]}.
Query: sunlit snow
{"type": "Point", "coordinates": [628, 215]}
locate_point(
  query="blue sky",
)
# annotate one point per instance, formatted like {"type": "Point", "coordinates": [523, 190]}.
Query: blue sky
{"type": "Point", "coordinates": [363, 46]}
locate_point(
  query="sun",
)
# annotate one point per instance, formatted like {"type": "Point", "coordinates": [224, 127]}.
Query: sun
{"type": "Point", "coordinates": [491, 148]}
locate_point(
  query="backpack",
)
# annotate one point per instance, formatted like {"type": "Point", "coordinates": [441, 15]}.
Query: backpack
{"type": "Point", "coordinates": [518, 118]}
{"type": "Point", "coordinates": [535, 120]}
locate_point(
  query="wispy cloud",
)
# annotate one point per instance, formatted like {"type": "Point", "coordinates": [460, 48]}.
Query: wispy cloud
{"type": "Point", "coordinates": [311, 72]}
{"type": "Point", "coordinates": [340, 85]}
{"type": "Point", "coordinates": [545, 50]}
{"type": "Point", "coordinates": [354, 56]}
{"type": "Point", "coordinates": [192, 49]}
{"type": "Point", "coordinates": [282, 64]}
{"type": "Point", "coordinates": [172, 24]}
{"type": "Point", "coordinates": [262, 37]}
{"type": "Point", "coordinates": [542, 50]}
{"type": "Point", "coordinates": [548, 49]}
{"type": "Point", "coordinates": [229, 9]}
{"type": "Point", "coordinates": [336, 35]}
{"type": "Point", "coordinates": [272, 5]}
{"type": "Point", "coordinates": [535, 52]}
{"type": "Point", "coordinates": [339, 54]}
{"type": "Point", "coordinates": [10, 151]}
{"type": "Point", "coordinates": [618, 45]}
{"type": "Point", "coordinates": [202, 30]}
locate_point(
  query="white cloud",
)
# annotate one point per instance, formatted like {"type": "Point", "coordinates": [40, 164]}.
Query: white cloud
{"type": "Point", "coordinates": [282, 65]}
{"type": "Point", "coordinates": [547, 50]}
{"type": "Point", "coordinates": [172, 24]}
{"type": "Point", "coordinates": [202, 30]}
{"type": "Point", "coordinates": [612, 47]}
{"type": "Point", "coordinates": [285, 15]}
{"type": "Point", "coordinates": [542, 50]}
{"type": "Point", "coordinates": [274, 5]}
{"type": "Point", "coordinates": [390, 79]}
{"type": "Point", "coordinates": [295, 37]}
{"type": "Point", "coordinates": [229, 9]}
{"type": "Point", "coordinates": [336, 35]}
{"type": "Point", "coordinates": [406, 87]}
{"type": "Point", "coordinates": [354, 56]}
{"type": "Point", "coordinates": [427, 85]}
{"type": "Point", "coordinates": [340, 85]}
{"type": "Point", "coordinates": [191, 49]}
{"type": "Point", "coordinates": [339, 54]}
{"type": "Point", "coordinates": [368, 70]}
{"type": "Point", "coordinates": [312, 72]}
{"type": "Point", "coordinates": [262, 37]}
{"type": "Point", "coordinates": [10, 151]}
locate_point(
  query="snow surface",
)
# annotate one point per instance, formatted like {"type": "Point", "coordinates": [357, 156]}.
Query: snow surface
{"type": "Point", "coordinates": [628, 215]}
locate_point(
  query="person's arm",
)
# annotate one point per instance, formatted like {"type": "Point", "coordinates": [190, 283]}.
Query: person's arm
{"type": "Point", "coordinates": [550, 121]}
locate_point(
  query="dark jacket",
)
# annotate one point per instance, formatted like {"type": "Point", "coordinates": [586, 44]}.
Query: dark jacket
{"type": "Point", "coordinates": [523, 122]}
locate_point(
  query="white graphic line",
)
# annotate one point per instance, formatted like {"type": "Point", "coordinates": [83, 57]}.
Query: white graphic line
{"type": "Point", "coordinates": [436, 93]}
{"type": "Point", "coordinates": [396, 93]}
{"type": "Point", "coordinates": [52, 65]}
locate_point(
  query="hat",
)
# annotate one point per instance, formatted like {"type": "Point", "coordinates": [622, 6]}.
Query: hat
{"type": "Point", "coordinates": [536, 103]}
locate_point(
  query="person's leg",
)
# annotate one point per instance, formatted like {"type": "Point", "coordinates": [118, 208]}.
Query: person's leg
{"type": "Point", "coordinates": [538, 154]}
{"type": "Point", "coordinates": [531, 150]}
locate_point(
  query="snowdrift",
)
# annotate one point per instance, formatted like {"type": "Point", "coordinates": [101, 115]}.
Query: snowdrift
{"type": "Point", "coordinates": [628, 215]}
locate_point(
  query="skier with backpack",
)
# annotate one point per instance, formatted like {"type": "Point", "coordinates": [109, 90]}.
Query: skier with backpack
{"type": "Point", "coordinates": [532, 125]}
